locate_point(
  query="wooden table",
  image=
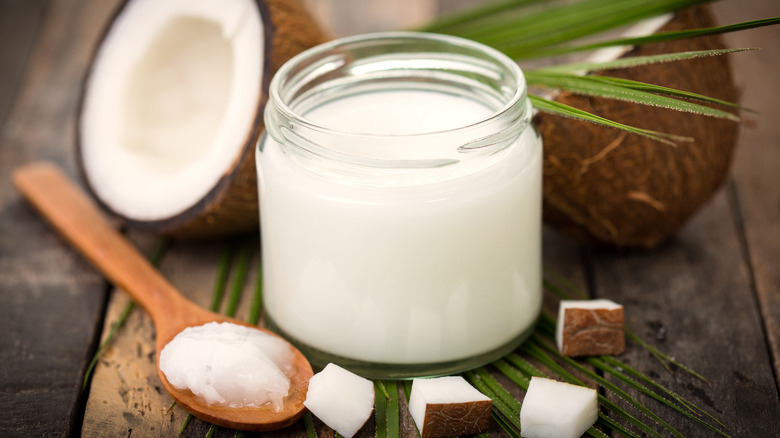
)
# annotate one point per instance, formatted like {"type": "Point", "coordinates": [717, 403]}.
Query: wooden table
{"type": "Point", "coordinates": [710, 297]}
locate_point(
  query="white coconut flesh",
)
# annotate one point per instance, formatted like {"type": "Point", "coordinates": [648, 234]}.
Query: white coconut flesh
{"type": "Point", "coordinates": [341, 399]}
{"type": "Point", "coordinates": [169, 102]}
{"type": "Point", "coordinates": [557, 409]}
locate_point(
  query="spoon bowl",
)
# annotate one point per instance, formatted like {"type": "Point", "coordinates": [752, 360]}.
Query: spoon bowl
{"type": "Point", "coordinates": [80, 222]}
{"type": "Point", "coordinates": [263, 418]}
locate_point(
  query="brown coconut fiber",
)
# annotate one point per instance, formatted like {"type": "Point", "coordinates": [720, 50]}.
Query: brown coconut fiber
{"type": "Point", "coordinates": [606, 186]}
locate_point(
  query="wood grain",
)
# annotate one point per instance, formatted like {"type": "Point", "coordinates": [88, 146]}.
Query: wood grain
{"type": "Point", "coordinates": [69, 211]}
{"type": "Point", "coordinates": [710, 297]}
{"type": "Point", "coordinates": [20, 21]}
{"type": "Point", "coordinates": [692, 299]}
{"type": "Point", "coordinates": [756, 183]}
{"type": "Point", "coordinates": [53, 301]}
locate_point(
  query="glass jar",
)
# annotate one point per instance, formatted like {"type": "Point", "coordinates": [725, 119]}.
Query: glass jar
{"type": "Point", "coordinates": [400, 205]}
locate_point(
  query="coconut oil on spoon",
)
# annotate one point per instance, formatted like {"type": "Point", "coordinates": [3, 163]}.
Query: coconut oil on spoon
{"type": "Point", "coordinates": [71, 213]}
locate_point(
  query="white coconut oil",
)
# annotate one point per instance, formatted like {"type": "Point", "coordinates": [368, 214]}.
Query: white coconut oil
{"type": "Point", "coordinates": [227, 364]}
{"type": "Point", "coordinates": [409, 241]}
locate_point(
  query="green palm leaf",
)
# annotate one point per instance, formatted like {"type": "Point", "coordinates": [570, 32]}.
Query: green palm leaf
{"type": "Point", "coordinates": [614, 89]}
{"type": "Point", "coordinates": [642, 86]}
{"type": "Point", "coordinates": [526, 29]}
{"type": "Point", "coordinates": [503, 401]}
{"type": "Point", "coordinates": [515, 28]}
{"type": "Point", "coordinates": [386, 411]}
{"type": "Point", "coordinates": [557, 108]}
{"type": "Point", "coordinates": [655, 38]}
{"type": "Point", "coordinates": [635, 61]}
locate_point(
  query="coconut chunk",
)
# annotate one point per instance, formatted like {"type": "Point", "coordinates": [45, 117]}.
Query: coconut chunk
{"type": "Point", "coordinates": [590, 328]}
{"type": "Point", "coordinates": [557, 409]}
{"type": "Point", "coordinates": [448, 406]}
{"type": "Point", "coordinates": [341, 399]}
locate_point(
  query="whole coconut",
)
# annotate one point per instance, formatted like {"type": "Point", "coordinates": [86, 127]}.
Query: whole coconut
{"type": "Point", "coordinates": [606, 186]}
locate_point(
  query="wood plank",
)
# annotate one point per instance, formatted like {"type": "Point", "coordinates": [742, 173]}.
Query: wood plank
{"type": "Point", "coordinates": [52, 301]}
{"type": "Point", "coordinates": [695, 298]}
{"type": "Point", "coordinates": [755, 168]}
{"type": "Point", "coordinates": [124, 398]}
{"type": "Point", "coordinates": [19, 24]}
{"type": "Point", "coordinates": [126, 395]}
{"type": "Point", "coordinates": [691, 298]}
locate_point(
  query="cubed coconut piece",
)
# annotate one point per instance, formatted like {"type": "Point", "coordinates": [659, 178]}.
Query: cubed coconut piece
{"type": "Point", "coordinates": [341, 399]}
{"type": "Point", "coordinates": [557, 409]}
{"type": "Point", "coordinates": [590, 328]}
{"type": "Point", "coordinates": [448, 406]}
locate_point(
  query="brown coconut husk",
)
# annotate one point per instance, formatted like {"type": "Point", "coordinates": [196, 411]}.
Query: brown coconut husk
{"type": "Point", "coordinates": [606, 186]}
{"type": "Point", "coordinates": [231, 207]}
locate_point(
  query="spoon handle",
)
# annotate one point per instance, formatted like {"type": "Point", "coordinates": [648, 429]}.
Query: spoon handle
{"type": "Point", "coordinates": [71, 213]}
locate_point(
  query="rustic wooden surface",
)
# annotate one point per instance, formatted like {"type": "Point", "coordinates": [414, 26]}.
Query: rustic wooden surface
{"type": "Point", "coordinates": [710, 297]}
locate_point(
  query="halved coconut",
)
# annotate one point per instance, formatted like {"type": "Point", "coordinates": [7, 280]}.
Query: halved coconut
{"type": "Point", "coordinates": [172, 108]}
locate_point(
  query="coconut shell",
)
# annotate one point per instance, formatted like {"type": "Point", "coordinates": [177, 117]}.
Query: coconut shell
{"type": "Point", "coordinates": [456, 419]}
{"type": "Point", "coordinates": [592, 332]}
{"type": "Point", "coordinates": [231, 207]}
{"type": "Point", "coordinates": [606, 186]}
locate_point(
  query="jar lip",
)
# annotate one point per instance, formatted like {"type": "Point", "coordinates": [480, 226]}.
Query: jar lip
{"type": "Point", "coordinates": [501, 59]}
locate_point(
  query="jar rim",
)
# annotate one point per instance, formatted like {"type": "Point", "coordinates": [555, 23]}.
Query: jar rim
{"type": "Point", "coordinates": [388, 61]}
{"type": "Point", "coordinates": [513, 101]}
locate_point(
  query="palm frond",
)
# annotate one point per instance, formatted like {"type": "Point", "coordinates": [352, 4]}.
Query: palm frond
{"type": "Point", "coordinates": [517, 29]}
{"type": "Point", "coordinates": [560, 109]}
{"type": "Point", "coordinates": [612, 88]}
{"type": "Point", "coordinates": [635, 61]}
{"type": "Point", "coordinates": [648, 39]}
{"type": "Point", "coordinates": [529, 29]}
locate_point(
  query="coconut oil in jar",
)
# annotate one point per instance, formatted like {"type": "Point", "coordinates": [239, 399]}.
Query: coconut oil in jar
{"type": "Point", "coordinates": [400, 205]}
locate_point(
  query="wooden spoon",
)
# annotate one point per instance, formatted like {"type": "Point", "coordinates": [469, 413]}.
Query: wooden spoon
{"type": "Point", "coordinates": [69, 211]}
